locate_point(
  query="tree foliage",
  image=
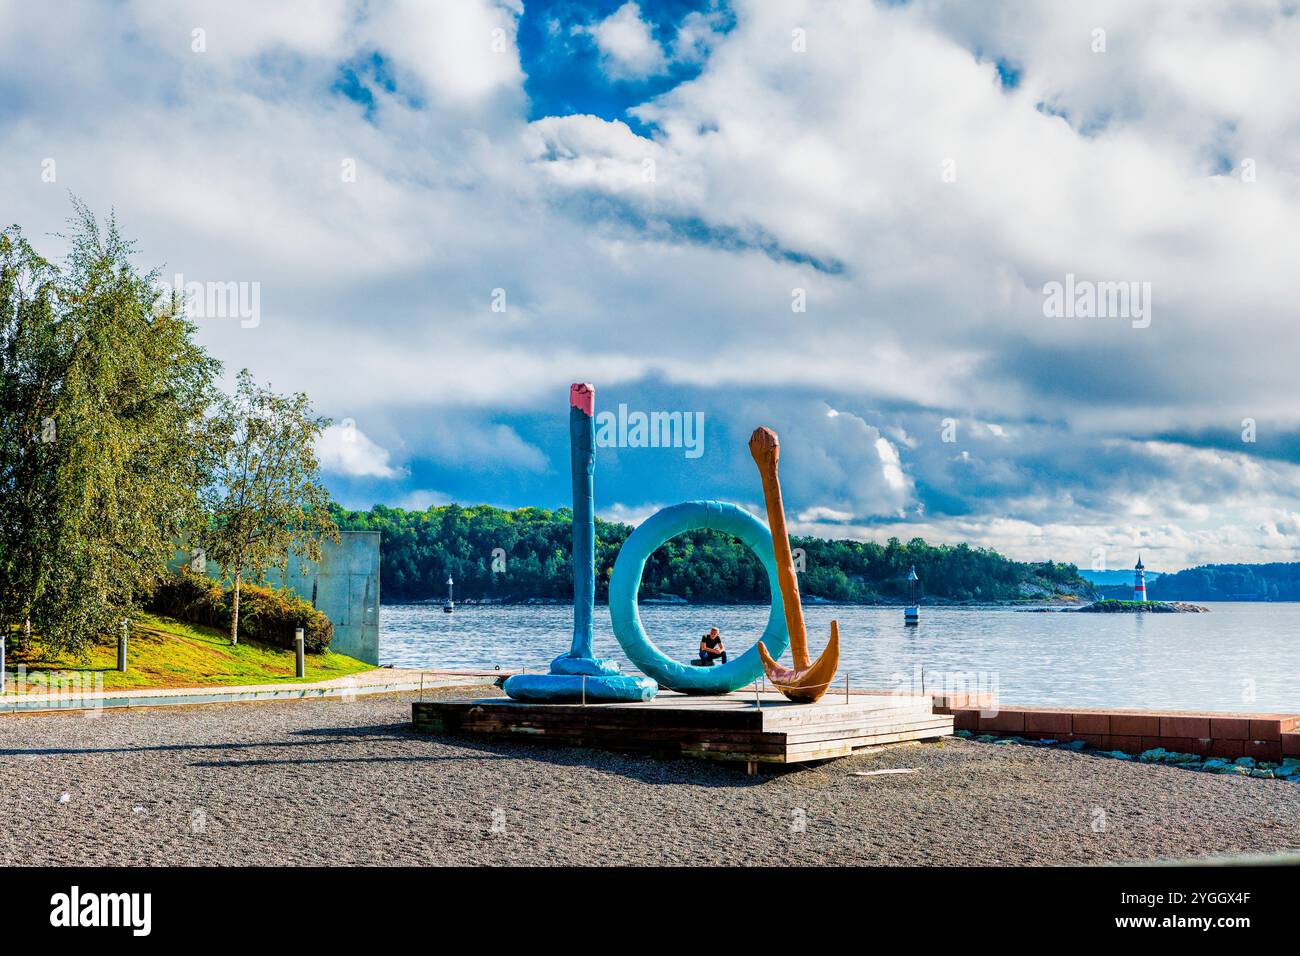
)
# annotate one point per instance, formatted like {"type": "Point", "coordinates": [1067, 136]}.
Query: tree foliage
{"type": "Point", "coordinates": [103, 401]}
{"type": "Point", "coordinates": [116, 447]}
{"type": "Point", "coordinates": [1229, 582]}
{"type": "Point", "coordinates": [268, 499]}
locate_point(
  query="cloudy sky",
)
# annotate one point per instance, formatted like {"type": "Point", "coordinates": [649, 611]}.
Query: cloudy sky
{"type": "Point", "coordinates": [837, 219]}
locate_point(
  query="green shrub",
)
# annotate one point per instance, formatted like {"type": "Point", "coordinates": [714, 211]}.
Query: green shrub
{"type": "Point", "coordinates": [192, 598]}
{"type": "Point", "coordinates": [266, 615]}
{"type": "Point", "coordinates": [271, 616]}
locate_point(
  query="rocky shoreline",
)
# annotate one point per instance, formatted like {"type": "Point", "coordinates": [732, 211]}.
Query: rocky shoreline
{"type": "Point", "coordinates": [1287, 769]}
{"type": "Point", "coordinates": [1143, 607]}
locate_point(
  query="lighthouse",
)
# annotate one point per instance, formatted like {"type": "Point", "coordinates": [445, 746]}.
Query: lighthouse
{"type": "Point", "coordinates": [1140, 581]}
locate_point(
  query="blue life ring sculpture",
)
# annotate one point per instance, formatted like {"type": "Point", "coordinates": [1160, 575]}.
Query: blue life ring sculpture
{"type": "Point", "coordinates": [626, 582]}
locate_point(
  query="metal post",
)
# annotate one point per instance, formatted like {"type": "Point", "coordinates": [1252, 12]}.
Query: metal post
{"type": "Point", "coordinates": [121, 647]}
{"type": "Point", "coordinates": [584, 690]}
{"type": "Point", "coordinates": [302, 662]}
{"type": "Point", "coordinates": [846, 688]}
{"type": "Point", "coordinates": [4, 678]}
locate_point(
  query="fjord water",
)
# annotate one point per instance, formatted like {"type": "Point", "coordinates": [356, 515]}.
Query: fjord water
{"type": "Point", "coordinates": [1238, 657]}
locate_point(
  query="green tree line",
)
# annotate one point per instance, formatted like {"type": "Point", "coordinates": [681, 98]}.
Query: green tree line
{"type": "Point", "coordinates": [523, 554]}
{"type": "Point", "coordinates": [1229, 582]}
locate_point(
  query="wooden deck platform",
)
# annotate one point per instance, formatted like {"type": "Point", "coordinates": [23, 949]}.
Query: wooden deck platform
{"type": "Point", "coordinates": [727, 727]}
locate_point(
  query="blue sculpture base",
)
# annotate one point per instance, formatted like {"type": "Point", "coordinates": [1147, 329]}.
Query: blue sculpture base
{"type": "Point", "coordinates": [573, 688]}
{"type": "Point", "coordinates": [589, 666]}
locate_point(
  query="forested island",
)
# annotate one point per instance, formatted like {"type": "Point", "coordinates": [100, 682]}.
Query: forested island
{"type": "Point", "coordinates": [1230, 582]}
{"type": "Point", "coordinates": [1219, 582]}
{"type": "Point", "coordinates": [523, 555]}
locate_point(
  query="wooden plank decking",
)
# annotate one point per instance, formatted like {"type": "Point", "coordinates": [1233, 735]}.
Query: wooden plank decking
{"type": "Point", "coordinates": [727, 727]}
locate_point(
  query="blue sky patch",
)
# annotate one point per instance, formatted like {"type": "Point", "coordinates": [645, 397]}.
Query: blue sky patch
{"type": "Point", "coordinates": [1009, 74]}
{"type": "Point", "coordinates": [563, 63]}
{"type": "Point", "coordinates": [358, 79]}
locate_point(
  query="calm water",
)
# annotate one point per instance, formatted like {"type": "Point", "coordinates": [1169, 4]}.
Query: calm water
{"type": "Point", "coordinates": [1237, 657]}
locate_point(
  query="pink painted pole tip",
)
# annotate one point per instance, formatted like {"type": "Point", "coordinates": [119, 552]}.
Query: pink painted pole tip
{"type": "Point", "coordinates": [582, 395]}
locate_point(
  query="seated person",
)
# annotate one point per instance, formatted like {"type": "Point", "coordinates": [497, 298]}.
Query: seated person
{"type": "Point", "coordinates": [711, 648]}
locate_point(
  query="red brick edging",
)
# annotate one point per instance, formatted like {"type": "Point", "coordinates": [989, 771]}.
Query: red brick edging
{"type": "Point", "coordinates": [1262, 736]}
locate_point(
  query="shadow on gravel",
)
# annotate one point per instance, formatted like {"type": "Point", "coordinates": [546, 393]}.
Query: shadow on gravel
{"type": "Point", "coordinates": [660, 770]}
{"type": "Point", "coordinates": [269, 762]}
{"type": "Point", "coordinates": [664, 769]}
{"type": "Point", "coordinates": [319, 737]}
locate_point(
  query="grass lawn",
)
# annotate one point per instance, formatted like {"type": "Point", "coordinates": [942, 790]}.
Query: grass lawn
{"type": "Point", "coordinates": [163, 652]}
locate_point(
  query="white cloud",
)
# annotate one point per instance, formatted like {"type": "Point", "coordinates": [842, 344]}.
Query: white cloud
{"type": "Point", "coordinates": [824, 515]}
{"type": "Point", "coordinates": [772, 171]}
{"type": "Point", "coordinates": [462, 51]}
{"type": "Point", "coordinates": [833, 462]}
{"type": "Point", "coordinates": [629, 50]}
{"type": "Point", "coordinates": [626, 514]}
{"type": "Point", "coordinates": [422, 500]}
{"type": "Point", "coordinates": [699, 33]}
{"type": "Point", "coordinates": [345, 450]}
{"type": "Point", "coordinates": [890, 465]}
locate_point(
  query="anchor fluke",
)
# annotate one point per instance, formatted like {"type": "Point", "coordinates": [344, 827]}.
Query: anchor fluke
{"type": "Point", "coordinates": [805, 686]}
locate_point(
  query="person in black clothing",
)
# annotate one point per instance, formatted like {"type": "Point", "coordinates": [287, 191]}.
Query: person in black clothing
{"type": "Point", "coordinates": [711, 647]}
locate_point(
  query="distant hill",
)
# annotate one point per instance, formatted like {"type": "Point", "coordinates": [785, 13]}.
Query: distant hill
{"type": "Point", "coordinates": [1230, 582]}
{"type": "Point", "coordinates": [524, 555]}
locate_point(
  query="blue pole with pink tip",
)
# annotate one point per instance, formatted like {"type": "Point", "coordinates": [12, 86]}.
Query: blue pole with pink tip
{"type": "Point", "coordinates": [579, 674]}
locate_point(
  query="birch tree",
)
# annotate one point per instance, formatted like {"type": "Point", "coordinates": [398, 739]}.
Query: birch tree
{"type": "Point", "coordinates": [269, 502]}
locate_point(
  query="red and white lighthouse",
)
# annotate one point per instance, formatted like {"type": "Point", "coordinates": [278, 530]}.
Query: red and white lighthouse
{"type": "Point", "coordinates": [1140, 581]}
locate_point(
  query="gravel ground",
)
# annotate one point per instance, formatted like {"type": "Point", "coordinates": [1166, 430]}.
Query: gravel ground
{"type": "Point", "coordinates": [333, 782]}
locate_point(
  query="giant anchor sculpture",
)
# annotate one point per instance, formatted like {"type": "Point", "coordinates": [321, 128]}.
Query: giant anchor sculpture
{"type": "Point", "coordinates": [579, 675]}
{"type": "Point", "coordinates": [806, 681]}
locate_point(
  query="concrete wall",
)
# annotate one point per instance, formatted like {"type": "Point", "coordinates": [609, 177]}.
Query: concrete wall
{"type": "Point", "coordinates": [344, 586]}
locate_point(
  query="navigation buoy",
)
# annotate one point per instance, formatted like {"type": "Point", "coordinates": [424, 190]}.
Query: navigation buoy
{"type": "Point", "coordinates": [912, 613]}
